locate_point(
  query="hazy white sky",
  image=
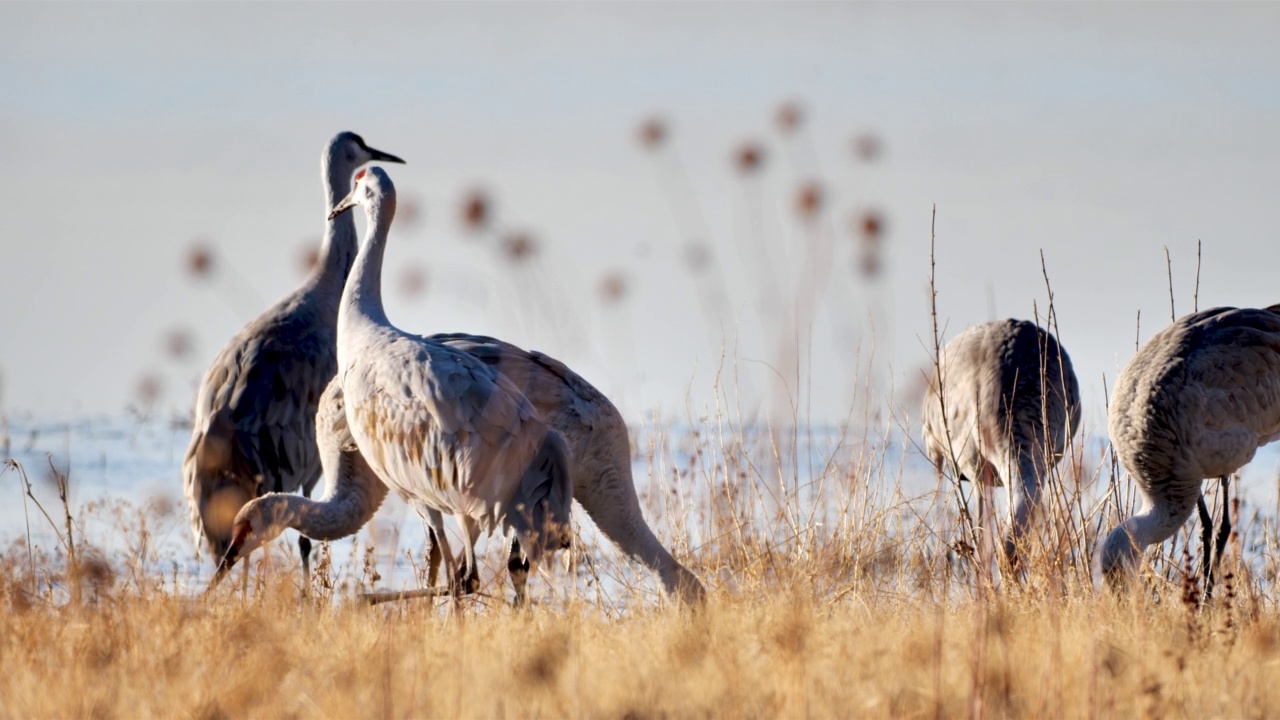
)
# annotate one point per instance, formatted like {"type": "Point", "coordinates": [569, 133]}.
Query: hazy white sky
{"type": "Point", "coordinates": [1098, 133]}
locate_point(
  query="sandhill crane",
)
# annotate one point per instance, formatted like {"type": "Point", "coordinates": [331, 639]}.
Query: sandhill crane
{"type": "Point", "coordinates": [1196, 402]}
{"type": "Point", "coordinates": [441, 428]}
{"type": "Point", "coordinates": [600, 457]}
{"type": "Point", "coordinates": [254, 417]}
{"type": "Point", "coordinates": [1009, 404]}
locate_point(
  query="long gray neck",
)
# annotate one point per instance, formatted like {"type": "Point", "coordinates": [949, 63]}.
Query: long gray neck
{"type": "Point", "coordinates": [355, 495]}
{"type": "Point", "coordinates": [362, 297]}
{"type": "Point", "coordinates": [1151, 526]}
{"type": "Point", "coordinates": [338, 248]}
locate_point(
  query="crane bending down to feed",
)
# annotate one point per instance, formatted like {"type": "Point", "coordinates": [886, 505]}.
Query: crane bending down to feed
{"type": "Point", "coordinates": [1009, 404]}
{"type": "Point", "coordinates": [600, 457]}
{"type": "Point", "coordinates": [441, 428]}
{"type": "Point", "coordinates": [1196, 402]}
{"type": "Point", "coordinates": [254, 418]}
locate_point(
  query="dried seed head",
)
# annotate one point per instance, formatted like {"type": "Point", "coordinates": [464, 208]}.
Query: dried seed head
{"type": "Point", "coordinates": [309, 255]}
{"type": "Point", "coordinates": [613, 287]}
{"type": "Point", "coordinates": [200, 261]}
{"type": "Point", "coordinates": [789, 117]}
{"type": "Point", "coordinates": [408, 212]}
{"type": "Point", "coordinates": [749, 158]}
{"type": "Point", "coordinates": [809, 200]}
{"type": "Point", "coordinates": [161, 505]}
{"type": "Point", "coordinates": [870, 225]}
{"type": "Point", "coordinates": [519, 247]}
{"type": "Point", "coordinates": [697, 256]}
{"type": "Point", "coordinates": [178, 343]}
{"type": "Point", "coordinates": [96, 571]}
{"type": "Point", "coordinates": [413, 281]}
{"type": "Point", "coordinates": [867, 147]}
{"type": "Point", "coordinates": [652, 133]}
{"type": "Point", "coordinates": [475, 210]}
{"type": "Point", "coordinates": [148, 390]}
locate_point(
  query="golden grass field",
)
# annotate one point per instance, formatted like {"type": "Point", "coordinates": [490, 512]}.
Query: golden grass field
{"type": "Point", "coordinates": [783, 651]}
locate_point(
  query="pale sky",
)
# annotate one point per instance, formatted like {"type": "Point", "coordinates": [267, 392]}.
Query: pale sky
{"type": "Point", "coordinates": [1097, 133]}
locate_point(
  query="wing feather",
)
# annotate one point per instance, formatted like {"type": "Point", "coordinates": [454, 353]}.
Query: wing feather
{"type": "Point", "coordinates": [254, 419]}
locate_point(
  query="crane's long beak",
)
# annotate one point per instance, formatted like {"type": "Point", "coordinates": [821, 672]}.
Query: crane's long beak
{"type": "Point", "coordinates": [383, 156]}
{"type": "Point", "coordinates": [228, 560]}
{"type": "Point", "coordinates": [344, 205]}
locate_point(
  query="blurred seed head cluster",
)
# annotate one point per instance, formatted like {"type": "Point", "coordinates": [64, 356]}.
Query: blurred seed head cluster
{"type": "Point", "coordinates": [781, 167]}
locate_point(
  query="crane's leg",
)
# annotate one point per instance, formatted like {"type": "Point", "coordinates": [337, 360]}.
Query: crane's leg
{"type": "Point", "coordinates": [518, 568]}
{"type": "Point", "coordinates": [434, 556]}
{"type": "Point", "coordinates": [439, 545]}
{"type": "Point", "coordinates": [304, 549]}
{"type": "Point", "coordinates": [1224, 526]}
{"type": "Point", "coordinates": [986, 522]}
{"type": "Point", "coordinates": [467, 580]}
{"type": "Point", "coordinates": [1206, 543]}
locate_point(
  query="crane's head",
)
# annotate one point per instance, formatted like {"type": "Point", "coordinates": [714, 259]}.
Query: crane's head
{"type": "Point", "coordinates": [373, 189]}
{"type": "Point", "coordinates": [347, 151]}
{"type": "Point", "coordinates": [1116, 559]}
{"type": "Point", "coordinates": [259, 522]}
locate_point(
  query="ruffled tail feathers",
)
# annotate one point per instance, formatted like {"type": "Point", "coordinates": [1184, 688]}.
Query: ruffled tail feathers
{"type": "Point", "coordinates": [540, 511]}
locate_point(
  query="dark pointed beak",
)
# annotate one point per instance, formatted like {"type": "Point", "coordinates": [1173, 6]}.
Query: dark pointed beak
{"type": "Point", "coordinates": [228, 560]}
{"type": "Point", "coordinates": [346, 204]}
{"type": "Point", "coordinates": [378, 155]}
{"type": "Point", "coordinates": [224, 567]}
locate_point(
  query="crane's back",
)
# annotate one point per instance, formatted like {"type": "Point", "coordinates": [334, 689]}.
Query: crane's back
{"type": "Point", "coordinates": [1009, 388]}
{"type": "Point", "coordinates": [253, 428]}
{"type": "Point", "coordinates": [1199, 398]}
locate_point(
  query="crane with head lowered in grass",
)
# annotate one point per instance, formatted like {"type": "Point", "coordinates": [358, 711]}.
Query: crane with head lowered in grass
{"type": "Point", "coordinates": [1007, 405]}
{"type": "Point", "coordinates": [1195, 402]}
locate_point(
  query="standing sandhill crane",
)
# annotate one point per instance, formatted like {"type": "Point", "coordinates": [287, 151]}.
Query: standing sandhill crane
{"type": "Point", "coordinates": [441, 428]}
{"type": "Point", "coordinates": [254, 418]}
{"type": "Point", "coordinates": [600, 450]}
{"type": "Point", "coordinates": [1008, 406]}
{"type": "Point", "coordinates": [1196, 402]}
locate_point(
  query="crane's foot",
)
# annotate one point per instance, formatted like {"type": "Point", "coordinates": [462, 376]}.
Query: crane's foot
{"type": "Point", "coordinates": [466, 581]}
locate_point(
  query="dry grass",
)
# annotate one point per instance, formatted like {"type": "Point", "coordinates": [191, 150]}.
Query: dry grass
{"type": "Point", "coordinates": [785, 654]}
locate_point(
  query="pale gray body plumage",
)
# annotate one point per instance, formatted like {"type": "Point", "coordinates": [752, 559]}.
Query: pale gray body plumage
{"type": "Point", "coordinates": [599, 446]}
{"type": "Point", "coordinates": [1012, 403]}
{"type": "Point", "coordinates": [254, 428]}
{"type": "Point", "coordinates": [1195, 402]}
